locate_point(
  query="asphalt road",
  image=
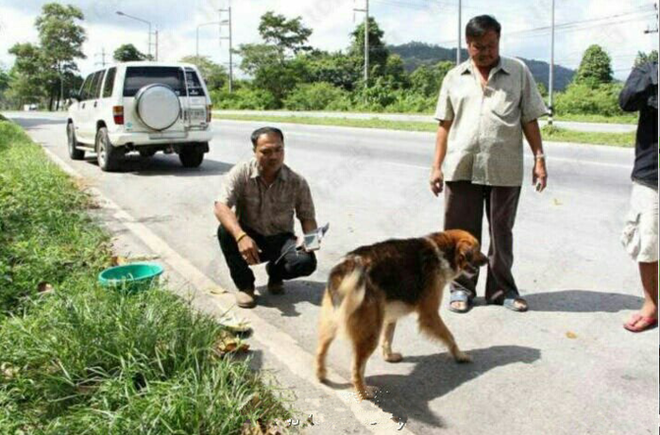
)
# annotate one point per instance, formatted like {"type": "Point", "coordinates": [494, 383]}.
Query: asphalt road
{"type": "Point", "coordinates": [570, 125]}
{"type": "Point", "coordinates": [565, 367]}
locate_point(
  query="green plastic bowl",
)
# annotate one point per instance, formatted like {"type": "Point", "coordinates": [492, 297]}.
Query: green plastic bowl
{"type": "Point", "coordinates": [132, 278]}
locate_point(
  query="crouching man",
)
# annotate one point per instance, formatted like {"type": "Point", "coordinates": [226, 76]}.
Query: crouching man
{"type": "Point", "coordinates": [264, 192]}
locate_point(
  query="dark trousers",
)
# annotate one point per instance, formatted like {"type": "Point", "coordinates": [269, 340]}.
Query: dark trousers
{"type": "Point", "coordinates": [464, 206]}
{"type": "Point", "coordinates": [293, 265]}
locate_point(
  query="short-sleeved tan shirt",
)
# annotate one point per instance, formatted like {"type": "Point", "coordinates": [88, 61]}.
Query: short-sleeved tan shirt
{"type": "Point", "coordinates": [485, 144]}
{"type": "Point", "coordinates": [268, 210]}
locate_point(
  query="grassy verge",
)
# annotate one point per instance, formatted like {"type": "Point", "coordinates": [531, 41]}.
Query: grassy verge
{"type": "Point", "coordinates": [84, 360]}
{"type": "Point", "coordinates": [549, 134]}
{"type": "Point", "coordinates": [620, 119]}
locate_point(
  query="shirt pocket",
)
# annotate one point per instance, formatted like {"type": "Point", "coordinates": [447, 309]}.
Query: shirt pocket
{"type": "Point", "coordinates": [505, 104]}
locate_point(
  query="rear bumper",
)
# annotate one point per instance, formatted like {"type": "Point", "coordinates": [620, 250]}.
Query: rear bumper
{"type": "Point", "coordinates": [143, 139]}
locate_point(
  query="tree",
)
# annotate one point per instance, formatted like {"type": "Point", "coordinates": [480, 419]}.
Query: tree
{"type": "Point", "coordinates": [595, 68]}
{"type": "Point", "coordinates": [427, 80]}
{"type": "Point", "coordinates": [61, 39]}
{"type": "Point", "coordinates": [214, 75]}
{"type": "Point", "coordinates": [128, 53]}
{"type": "Point", "coordinates": [335, 68]}
{"type": "Point", "coordinates": [378, 52]}
{"type": "Point", "coordinates": [642, 57]}
{"type": "Point", "coordinates": [26, 78]}
{"type": "Point", "coordinates": [287, 34]}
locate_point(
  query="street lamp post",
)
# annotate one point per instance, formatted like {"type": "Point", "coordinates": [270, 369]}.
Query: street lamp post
{"type": "Point", "coordinates": [143, 21]}
{"type": "Point", "coordinates": [197, 37]}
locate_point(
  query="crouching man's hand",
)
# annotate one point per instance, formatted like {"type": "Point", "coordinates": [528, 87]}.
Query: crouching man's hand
{"type": "Point", "coordinates": [249, 250]}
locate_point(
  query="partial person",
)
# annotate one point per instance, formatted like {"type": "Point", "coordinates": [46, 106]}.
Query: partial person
{"type": "Point", "coordinates": [640, 234]}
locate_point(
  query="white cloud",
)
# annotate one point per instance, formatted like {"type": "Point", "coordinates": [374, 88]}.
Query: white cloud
{"type": "Point", "coordinates": [332, 21]}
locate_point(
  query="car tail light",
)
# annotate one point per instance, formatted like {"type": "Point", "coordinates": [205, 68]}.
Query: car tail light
{"type": "Point", "coordinates": [118, 114]}
{"type": "Point", "coordinates": [208, 113]}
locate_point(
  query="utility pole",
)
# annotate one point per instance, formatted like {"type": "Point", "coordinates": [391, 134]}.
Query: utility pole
{"type": "Point", "coordinates": [551, 79]}
{"type": "Point", "coordinates": [656, 21]}
{"type": "Point", "coordinates": [366, 41]}
{"type": "Point", "coordinates": [156, 35]}
{"type": "Point", "coordinates": [458, 50]}
{"type": "Point", "coordinates": [227, 23]}
{"type": "Point", "coordinates": [102, 54]}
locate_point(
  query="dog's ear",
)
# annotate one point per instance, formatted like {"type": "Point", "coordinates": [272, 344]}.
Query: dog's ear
{"type": "Point", "coordinates": [468, 253]}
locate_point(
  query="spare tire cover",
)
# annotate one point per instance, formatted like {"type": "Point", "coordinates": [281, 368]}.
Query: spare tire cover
{"type": "Point", "coordinates": [157, 106]}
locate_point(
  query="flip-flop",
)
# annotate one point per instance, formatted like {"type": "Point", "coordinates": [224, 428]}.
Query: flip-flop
{"type": "Point", "coordinates": [460, 296]}
{"type": "Point", "coordinates": [508, 300]}
{"type": "Point", "coordinates": [633, 319]}
{"type": "Point", "coordinates": [642, 324]}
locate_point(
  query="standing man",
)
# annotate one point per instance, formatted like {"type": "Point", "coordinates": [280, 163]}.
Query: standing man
{"type": "Point", "coordinates": [485, 105]}
{"type": "Point", "coordinates": [265, 194]}
{"type": "Point", "coordinates": [640, 236]}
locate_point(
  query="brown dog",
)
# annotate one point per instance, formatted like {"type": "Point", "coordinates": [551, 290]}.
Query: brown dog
{"type": "Point", "coordinates": [375, 285]}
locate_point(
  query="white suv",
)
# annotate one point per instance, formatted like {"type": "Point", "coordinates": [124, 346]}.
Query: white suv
{"type": "Point", "coordinates": [141, 106]}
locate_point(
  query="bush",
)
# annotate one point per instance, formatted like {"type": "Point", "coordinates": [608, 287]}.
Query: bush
{"type": "Point", "coordinates": [243, 99]}
{"type": "Point", "coordinates": [314, 96]}
{"type": "Point", "coordinates": [585, 100]}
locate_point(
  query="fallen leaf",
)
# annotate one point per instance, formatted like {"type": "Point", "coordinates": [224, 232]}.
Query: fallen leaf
{"type": "Point", "coordinates": [555, 201]}
{"type": "Point", "coordinates": [217, 290]}
{"type": "Point", "coordinates": [571, 335]}
{"type": "Point", "coordinates": [118, 260]}
{"type": "Point", "coordinates": [44, 288]}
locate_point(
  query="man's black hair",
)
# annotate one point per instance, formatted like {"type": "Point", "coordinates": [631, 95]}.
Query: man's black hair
{"type": "Point", "coordinates": [265, 130]}
{"type": "Point", "coordinates": [479, 25]}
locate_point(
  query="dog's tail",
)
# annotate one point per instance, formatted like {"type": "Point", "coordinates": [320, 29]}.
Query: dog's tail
{"type": "Point", "coordinates": [351, 290]}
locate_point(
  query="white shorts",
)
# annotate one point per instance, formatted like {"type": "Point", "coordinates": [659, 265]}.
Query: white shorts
{"type": "Point", "coordinates": [640, 234]}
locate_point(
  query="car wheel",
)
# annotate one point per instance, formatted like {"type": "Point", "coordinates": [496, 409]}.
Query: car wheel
{"type": "Point", "coordinates": [74, 152]}
{"type": "Point", "coordinates": [107, 156]}
{"type": "Point", "coordinates": [191, 157]}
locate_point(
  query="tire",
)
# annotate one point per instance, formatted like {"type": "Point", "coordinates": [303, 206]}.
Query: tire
{"type": "Point", "coordinates": [72, 143]}
{"type": "Point", "coordinates": [107, 156]}
{"type": "Point", "coordinates": [191, 157]}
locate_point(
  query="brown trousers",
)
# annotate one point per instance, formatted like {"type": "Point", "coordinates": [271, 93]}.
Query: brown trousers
{"type": "Point", "coordinates": [464, 206]}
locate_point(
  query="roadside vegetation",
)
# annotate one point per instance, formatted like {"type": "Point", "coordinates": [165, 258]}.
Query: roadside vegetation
{"type": "Point", "coordinates": [76, 358]}
{"type": "Point", "coordinates": [287, 73]}
{"type": "Point", "coordinates": [549, 133]}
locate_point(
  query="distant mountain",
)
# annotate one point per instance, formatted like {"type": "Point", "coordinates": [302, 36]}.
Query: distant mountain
{"type": "Point", "coordinates": [415, 54]}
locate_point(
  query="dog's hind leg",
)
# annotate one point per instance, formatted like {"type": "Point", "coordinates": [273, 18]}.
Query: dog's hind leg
{"type": "Point", "coordinates": [362, 350]}
{"type": "Point", "coordinates": [431, 323]}
{"type": "Point", "coordinates": [327, 333]}
{"type": "Point", "coordinates": [386, 344]}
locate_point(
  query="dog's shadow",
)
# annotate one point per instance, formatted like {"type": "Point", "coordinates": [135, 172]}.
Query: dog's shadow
{"type": "Point", "coordinates": [582, 301]}
{"type": "Point", "coordinates": [296, 291]}
{"type": "Point", "coordinates": [408, 396]}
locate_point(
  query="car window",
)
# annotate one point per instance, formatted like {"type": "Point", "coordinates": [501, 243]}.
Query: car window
{"type": "Point", "coordinates": [96, 85]}
{"type": "Point", "coordinates": [84, 89]}
{"type": "Point", "coordinates": [109, 82]}
{"type": "Point", "coordinates": [195, 88]}
{"type": "Point", "coordinates": [140, 76]}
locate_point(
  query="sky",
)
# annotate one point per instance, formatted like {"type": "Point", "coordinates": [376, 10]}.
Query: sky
{"type": "Point", "coordinates": [617, 25]}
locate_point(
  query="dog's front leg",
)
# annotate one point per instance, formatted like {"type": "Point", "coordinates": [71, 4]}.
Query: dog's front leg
{"type": "Point", "coordinates": [386, 344]}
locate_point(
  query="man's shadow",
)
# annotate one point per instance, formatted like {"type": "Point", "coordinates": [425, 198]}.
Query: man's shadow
{"type": "Point", "coordinates": [296, 291]}
{"type": "Point", "coordinates": [408, 396]}
{"type": "Point", "coordinates": [582, 301]}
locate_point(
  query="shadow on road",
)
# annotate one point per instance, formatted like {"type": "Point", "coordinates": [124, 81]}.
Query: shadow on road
{"type": "Point", "coordinates": [582, 301]}
{"type": "Point", "coordinates": [408, 396]}
{"type": "Point", "coordinates": [160, 165]}
{"type": "Point", "coordinates": [296, 291]}
{"type": "Point", "coordinates": [33, 123]}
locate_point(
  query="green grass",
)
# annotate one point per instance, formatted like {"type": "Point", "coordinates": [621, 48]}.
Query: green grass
{"type": "Point", "coordinates": [555, 134]}
{"type": "Point", "coordinates": [621, 119]}
{"type": "Point", "coordinates": [85, 360]}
